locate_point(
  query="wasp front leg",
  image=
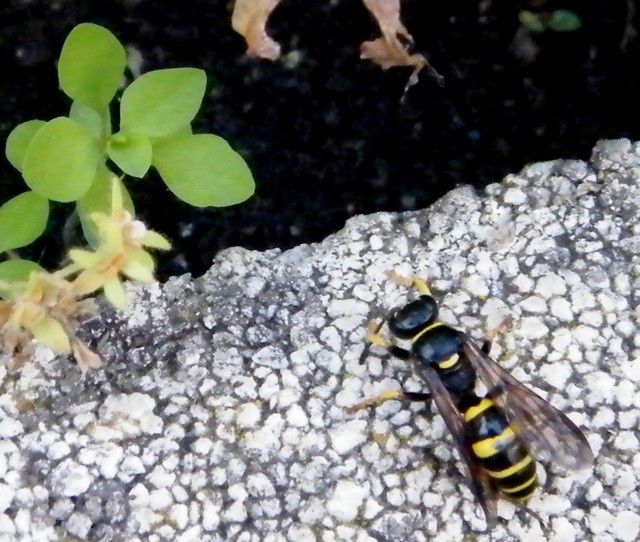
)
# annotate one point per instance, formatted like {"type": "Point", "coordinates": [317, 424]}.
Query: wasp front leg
{"type": "Point", "coordinates": [376, 338]}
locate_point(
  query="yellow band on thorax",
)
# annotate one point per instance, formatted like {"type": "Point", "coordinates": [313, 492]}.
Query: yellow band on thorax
{"type": "Point", "coordinates": [423, 331]}
{"type": "Point", "coordinates": [450, 362]}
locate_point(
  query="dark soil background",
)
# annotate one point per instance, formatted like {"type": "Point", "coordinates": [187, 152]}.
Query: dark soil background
{"type": "Point", "coordinates": [327, 135]}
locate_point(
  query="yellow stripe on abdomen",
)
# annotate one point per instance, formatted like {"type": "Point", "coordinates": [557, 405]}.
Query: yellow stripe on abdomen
{"type": "Point", "coordinates": [521, 486]}
{"type": "Point", "coordinates": [505, 473]}
{"type": "Point", "coordinates": [478, 409]}
{"type": "Point", "coordinates": [492, 445]}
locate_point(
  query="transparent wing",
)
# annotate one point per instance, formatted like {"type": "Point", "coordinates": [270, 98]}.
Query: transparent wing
{"type": "Point", "coordinates": [480, 485]}
{"type": "Point", "coordinates": [550, 435]}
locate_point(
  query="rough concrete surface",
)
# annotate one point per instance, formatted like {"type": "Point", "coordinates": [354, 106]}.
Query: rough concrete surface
{"type": "Point", "coordinates": [221, 412]}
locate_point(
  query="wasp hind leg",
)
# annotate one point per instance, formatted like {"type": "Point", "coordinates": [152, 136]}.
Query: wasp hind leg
{"type": "Point", "coordinates": [410, 282]}
{"type": "Point", "coordinates": [389, 396]}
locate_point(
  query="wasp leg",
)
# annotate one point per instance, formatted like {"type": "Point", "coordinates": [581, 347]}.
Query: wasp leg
{"type": "Point", "coordinates": [374, 337]}
{"type": "Point", "coordinates": [410, 282]}
{"type": "Point", "coordinates": [389, 396]}
{"type": "Point", "coordinates": [493, 333]}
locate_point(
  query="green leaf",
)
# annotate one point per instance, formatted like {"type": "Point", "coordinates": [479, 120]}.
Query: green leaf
{"type": "Point", "coordinates": [203, 170]}
{"type": "Point", "coordinates": [22, 220]}
{"type": "Point", "coordinates": [15, 271]}
{"type": "Point", "coordinates": [531, 21]}
{"type": "Point", "coordinates": [61, 160]}
{"type": "Point", "coordinates": [91, 65]}
{"type": "Point", "coordinates": [161, 102]}
{"type": "Point", "coordinates": [131, 153]}
{"type": "Point", "coordinates": [563, 20]}
{"type": "Point", "coordinates": [19, 139]}
{"type": "Point", "coordinates": [98, 199]}
{"type": "Point", "coordinates": [88, 117]}
{"type": "Point", "coordinates": [185, 130]}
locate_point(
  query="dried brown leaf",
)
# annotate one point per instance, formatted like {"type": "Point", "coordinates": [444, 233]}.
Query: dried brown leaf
{"type": "Point", "coordinates": [249, 19]}
{"type": "Point", "coordinates": [85, 357]}
{"type": "Point", "coordinates": [387, 15]}
{"type": "Point", "coordinates": [389, 51]}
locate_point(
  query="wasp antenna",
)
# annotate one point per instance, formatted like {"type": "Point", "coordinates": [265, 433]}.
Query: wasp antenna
{"type": "Point", "coordinates": [410, 282]}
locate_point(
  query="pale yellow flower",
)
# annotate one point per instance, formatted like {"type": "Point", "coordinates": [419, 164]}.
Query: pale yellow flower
{"type": "Point", "coordinates": [42, 306]}
{"type": "Point", "coordinates": [121, 251]}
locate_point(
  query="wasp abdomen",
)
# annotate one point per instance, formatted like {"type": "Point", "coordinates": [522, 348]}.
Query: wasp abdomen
{"type": "Point", "coordinates": [494, 443]}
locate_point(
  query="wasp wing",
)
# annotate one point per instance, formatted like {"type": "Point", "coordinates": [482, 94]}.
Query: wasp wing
{"type": "Point", "coordinates": [480, 485]}
{"type": "Point", "coordinates": [550, 434]}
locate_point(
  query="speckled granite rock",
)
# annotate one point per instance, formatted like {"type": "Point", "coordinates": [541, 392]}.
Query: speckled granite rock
{"type": "Point", "coordinates": [221, 413]}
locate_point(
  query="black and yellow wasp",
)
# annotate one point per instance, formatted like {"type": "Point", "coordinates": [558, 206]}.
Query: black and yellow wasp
{"type": "Point", "coordinates": [499, 435]}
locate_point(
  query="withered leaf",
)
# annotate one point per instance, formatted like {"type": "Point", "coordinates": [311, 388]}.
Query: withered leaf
{"type": "Point", "coordinates": [249, 19]}
{"type": "Point", "coordinates": [389, 50]}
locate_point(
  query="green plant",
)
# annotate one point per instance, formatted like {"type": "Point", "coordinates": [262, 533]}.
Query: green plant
{"type": "Point", "coordinates": [560, 20]}
{"type": "Point", "coordinates": [74, 159]}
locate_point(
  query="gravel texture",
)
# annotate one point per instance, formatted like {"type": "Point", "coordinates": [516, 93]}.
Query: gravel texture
{"type": "Point", "coordinates": [221, 413]}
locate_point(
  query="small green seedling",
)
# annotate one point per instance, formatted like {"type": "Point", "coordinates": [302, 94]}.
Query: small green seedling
{"type": "Point", "coordinates": [560, 20]}
{"type": "Point", "coordinates": [65, 158]}
{"type": "Point", "coordinates": [75, 158]}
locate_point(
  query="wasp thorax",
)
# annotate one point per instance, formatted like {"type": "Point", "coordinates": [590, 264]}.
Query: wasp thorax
{"type": "Point", "coordinates": [406, 321]}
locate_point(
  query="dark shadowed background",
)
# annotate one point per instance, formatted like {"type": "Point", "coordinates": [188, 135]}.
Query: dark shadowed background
{"type": "Point", "coordinates": [327, 135]}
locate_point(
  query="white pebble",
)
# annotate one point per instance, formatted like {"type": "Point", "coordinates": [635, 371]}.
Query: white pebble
{"type": "Point", "coordinates": [599, 520]}
{"type": "Point", "coordinates": [6, 496]}
{"type": "Point", "coordinates": [346, 500]}
{"type": "Point", "coordinates": [627, 526]}
{"type": "Point", "coordinates": [70, 479]}
{"type": "Point", "coordinates": [476, 285]}
{"type": "Point", "coordinates": [532, 328]}
{"type": "Point", "coordinates": [626, 440]}
{"type": "Point", "coordinates": [514, 196]}
{"type": "Point", "coordinates": [561, 309]}
{"type": "Point", "coordinates": [297, 417]}
{"type": "Point", "coordinates": [79, 525]}
{"type": "Point", "coordinates": [523, 283]}
{"type": "Point", "coordinates": [534, 304]}
{"type": "Point", "coordinates": [10, 428]}
{"type": "Point", "coordinates": [549, 285]}
{"type": "Point", "coordinates": [556, 374]}
{"type": "Point", "coordinates": [237, 512]}
{"type": "Point", "coordinates": [347, 307]}
{"type": "Point", "coordinates": [58, 450]}
{"type": "Point", "coordinates": [348, 435]}
{"type": "Point", "coordinates": [248, 415]}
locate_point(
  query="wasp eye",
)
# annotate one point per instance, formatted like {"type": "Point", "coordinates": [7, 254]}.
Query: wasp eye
{"type": "Point", "coordinates": [406, 321]}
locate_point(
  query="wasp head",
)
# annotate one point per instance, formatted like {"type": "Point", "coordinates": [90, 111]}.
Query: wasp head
{"type": "Point", "coordinates": [408, 320]}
